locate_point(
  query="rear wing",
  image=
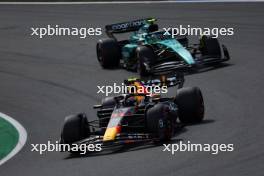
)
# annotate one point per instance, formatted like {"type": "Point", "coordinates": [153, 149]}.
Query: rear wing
{"type": "Point", "coordinates": [126, 26]}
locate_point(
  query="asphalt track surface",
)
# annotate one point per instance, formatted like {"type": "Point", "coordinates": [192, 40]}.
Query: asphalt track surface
{"type": "Point", "coordinates": [44, 80]}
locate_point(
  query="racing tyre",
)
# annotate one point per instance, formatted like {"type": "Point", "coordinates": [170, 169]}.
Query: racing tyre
{"type": "Point", "coordinates": [145, 55]}
{"type": "Point", "coordinates": [107, 103]}
{"type": "Point", "coordinates": [108, 53]}
{"type": "Point", "coordinates": [75, 128]}
{"type": "Point", "coordinates": [190, 104]}
{"type": "Point", "coordinates": [160, 123]}
{"type": "Point", "coordinates": [210, 47]}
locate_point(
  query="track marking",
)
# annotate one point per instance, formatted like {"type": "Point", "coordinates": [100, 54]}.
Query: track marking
{"type": "Point", "coordinates": [128, 2]}
{"type": "Point", "coordinates": [21, 140]}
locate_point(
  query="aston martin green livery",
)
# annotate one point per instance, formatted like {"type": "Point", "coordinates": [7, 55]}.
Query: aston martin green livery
{"type": "Point", "coordinates": [150, 51]}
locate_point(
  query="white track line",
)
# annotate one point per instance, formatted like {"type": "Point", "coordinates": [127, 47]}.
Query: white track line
{"type": "Point", "coordinates": [128, 2]}
{"type": "Point", "coordinates": [21, 140]}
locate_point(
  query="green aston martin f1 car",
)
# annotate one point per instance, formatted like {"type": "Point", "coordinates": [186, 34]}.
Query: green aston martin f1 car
{"type": "Point", "coordinates": [149, 51]}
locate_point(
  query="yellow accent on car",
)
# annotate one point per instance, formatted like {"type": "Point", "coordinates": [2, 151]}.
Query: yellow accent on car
{"type": "Point", "coordinates": [110, 134]}
{"type": "Point", "coordinates": [152, 20]}
{"type": "Point", "coordinates": [139, 86]}
{"type": "Point", "coordinates": [132, 79]}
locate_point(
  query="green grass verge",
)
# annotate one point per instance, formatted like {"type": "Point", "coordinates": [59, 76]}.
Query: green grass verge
{"type": "Point", "coordinates": [8, 137]}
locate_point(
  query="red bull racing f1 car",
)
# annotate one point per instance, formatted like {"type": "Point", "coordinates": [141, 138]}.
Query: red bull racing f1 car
{"type": "Point", "coordinates": [136, 118]}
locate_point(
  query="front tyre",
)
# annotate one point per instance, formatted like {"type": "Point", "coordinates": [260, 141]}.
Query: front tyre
{"type": "Point", "coordinates": [210, 47]}
{"type": "Point", "coordinates": [145, 56]}
{"type": "Point", "coordinates": [108, 53]}
{"type": "Point", "coordinates": [190, 104]}
{"type": "Point", "coordinates": [75, 128]}
{"type": "Point", "coordinates": [160, 123]}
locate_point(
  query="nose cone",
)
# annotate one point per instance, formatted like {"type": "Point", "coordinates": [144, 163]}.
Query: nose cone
{"type": "Point", "coordinates": [111, 133]}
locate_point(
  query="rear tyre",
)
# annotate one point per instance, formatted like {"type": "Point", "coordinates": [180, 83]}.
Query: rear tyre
{"type": "Point", "coordinates": [107, 103]}
{"type": "Point", "coordinates": [190, 103]}
{"type": "Point", "coordinates": [108, 53]}
{"type": "Point", "coordinates": [210, 47]}
{"type": "Point", "coordinates": [145, 55]}
{"type": "Point", "coordinates": [160, 123]}
{"type": "Point", "coordinates": [75, 128]}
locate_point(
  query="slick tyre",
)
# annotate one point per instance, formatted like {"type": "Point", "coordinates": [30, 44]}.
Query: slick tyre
{"type": "Point", "coordinates": [108, 53]}
{"type": "Point", "coordinates": [160, 123]}
{"type": "Point", "coordinates": [210, 47]}
{"type": "Point", "coordinates": [75, 128]}
{"type": "Point", "coordinates": [190, 104]}
{"type": "Point", "coordinates": [145, 55]}
{"type": "Point", "coordinates": [107, 103]}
